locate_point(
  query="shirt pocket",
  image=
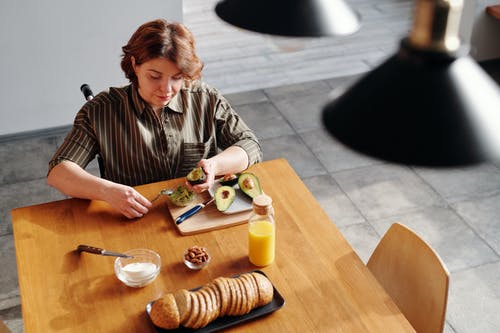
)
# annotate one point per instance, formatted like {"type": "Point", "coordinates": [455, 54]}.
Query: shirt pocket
{"type": "Point", "coordinates": [192, 153]}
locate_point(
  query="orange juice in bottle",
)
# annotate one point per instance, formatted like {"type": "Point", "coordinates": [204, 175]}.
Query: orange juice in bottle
{"type": "Point", "coordinates": [261, 232]}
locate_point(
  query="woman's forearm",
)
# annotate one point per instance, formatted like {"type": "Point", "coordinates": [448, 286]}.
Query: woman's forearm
{"type": "Point", "coordinates": [72, 180]}
{"type": "Point", "coordinates": [232, 160]}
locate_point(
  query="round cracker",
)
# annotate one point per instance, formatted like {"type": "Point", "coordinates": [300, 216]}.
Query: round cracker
{"type": "Point", "coordinates": [164, 312]}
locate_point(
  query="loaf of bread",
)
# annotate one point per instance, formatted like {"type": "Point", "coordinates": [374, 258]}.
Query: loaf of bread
{"type": "Point", "coordinates": [221, 297]}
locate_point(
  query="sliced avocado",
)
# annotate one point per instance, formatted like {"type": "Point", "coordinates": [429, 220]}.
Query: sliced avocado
{"type": "Point", "coordinates": [224, 197]}
{"type": "Point", "coordinates": [230, 179]}
{"type": "Point", "coordinates": [182, 196]}
{"type": "Point", "coordinates": [249, 184]}
{"type": "Point", "coordinates": [196, 176]}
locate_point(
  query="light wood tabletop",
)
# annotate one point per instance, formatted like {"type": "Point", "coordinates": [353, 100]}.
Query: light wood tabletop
{"type": "Point", "coordinates": [326, 287]}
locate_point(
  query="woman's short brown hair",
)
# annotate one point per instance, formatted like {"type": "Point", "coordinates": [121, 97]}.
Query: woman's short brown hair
{"type": "Point", "coordinates": [160, 38]}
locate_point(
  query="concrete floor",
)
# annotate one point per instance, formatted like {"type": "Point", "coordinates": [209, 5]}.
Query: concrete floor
{"type": "Point", "coordinates": [280, 94]}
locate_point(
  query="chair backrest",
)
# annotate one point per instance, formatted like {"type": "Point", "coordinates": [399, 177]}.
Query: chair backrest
{"type": "Point", "coordinates": [414, 276]}
{"type": "Point", "coordinates": [4, 328]}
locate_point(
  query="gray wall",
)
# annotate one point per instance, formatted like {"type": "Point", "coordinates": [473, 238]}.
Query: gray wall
{"type": "Point", "coordinates": [485, 35]}
{"type": "Point", "coordinates": [49, 48]}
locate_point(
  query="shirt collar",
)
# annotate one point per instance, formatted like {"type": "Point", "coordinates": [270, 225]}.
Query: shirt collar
{"type": "Point", "coordinates": [175, 103]}
{"type": "Point", "coordinates": [140, 105]}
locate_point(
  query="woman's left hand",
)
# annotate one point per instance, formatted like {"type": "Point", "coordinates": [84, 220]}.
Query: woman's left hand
{"type": "Point", "coordinates": [209, 167]}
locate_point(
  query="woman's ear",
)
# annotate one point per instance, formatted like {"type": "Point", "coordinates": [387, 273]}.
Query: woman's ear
{"type": "Point", "coordinates": [132, 60]}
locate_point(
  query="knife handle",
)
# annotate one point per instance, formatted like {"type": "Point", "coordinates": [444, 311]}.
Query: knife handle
{"type": "Point", "coordinates": [90, 249]}
{"type": "Point", "coordinates": [189, 213]}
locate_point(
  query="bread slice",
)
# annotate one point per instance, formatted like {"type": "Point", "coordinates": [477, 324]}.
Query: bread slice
{"type": "Point", "coordinates": [234, 296]}
{"type": "Point", "coordinates": [164, 312]}
{"type": "Point", "coordinates": [223, 295]}
{"type": "Point", "coordinates": [195, 310]}
{"type": "Point", "coordinates": [246, 296]}
{"type": "Point", "coordinates": [183, 301]}
{"type": "Point", "coordinates": [264, 287]}
{"type": "Point", "coordinates": [211, 306]}
{"type": "Point", "coordinates": [239, 294]}
{"type": "Point", "coordinates": [212, 292]}
{"type": "Point", "coordinates": [202, 314]}
{"type": "Point", "coordinates": [251, 288]}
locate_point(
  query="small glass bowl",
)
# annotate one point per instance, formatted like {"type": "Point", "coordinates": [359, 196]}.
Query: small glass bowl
{"type": "Point", "coordinates": [193, 265]}
{"type": "Point", "coordinates": [140, 270]}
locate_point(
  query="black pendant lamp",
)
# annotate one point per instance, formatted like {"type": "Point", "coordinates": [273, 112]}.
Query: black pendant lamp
{"type": "Point", "coordinates": [430, 104]}
{"type": "Point", "coordinates": [298, 18]}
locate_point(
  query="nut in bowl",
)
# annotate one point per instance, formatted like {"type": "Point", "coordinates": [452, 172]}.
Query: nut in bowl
{"type": "Point", "coordinates": [139, 270]}
{"type": "Point", "coordinates": [196, 257]}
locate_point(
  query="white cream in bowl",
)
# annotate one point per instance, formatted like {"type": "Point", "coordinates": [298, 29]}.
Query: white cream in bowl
{"type": "Point", "coordinates": [140, 270]}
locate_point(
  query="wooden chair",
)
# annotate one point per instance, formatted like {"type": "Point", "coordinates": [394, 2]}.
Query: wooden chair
{"type": "Point", "coordinates": [4, 328]}
{"type": "Point", "coordinates": [414, 276]}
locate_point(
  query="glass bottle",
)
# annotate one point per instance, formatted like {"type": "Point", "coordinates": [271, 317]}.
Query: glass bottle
{"type": "Point", "coordinates": [261, 231]}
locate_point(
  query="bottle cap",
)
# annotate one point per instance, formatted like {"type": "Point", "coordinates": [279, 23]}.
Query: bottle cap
{"type": "Point", "coordinates": [262, 204]}
{"type": "Point", "coordinates": [262, 200]}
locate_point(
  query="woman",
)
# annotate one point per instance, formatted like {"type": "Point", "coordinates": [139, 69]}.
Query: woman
{"type": "Point", "coordinates": [162, 125]}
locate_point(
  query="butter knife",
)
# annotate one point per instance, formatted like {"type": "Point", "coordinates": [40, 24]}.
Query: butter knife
{"type": "Point", "coordinates": [196, 208]}
{"type": "Point", "coordinates": [102, 252]}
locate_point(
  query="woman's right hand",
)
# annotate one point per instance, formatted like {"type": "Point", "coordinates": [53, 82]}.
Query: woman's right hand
{"type": "Point", "coordinates": [72, 180]}
{"type": "Point", "coordinates": [127, 201]}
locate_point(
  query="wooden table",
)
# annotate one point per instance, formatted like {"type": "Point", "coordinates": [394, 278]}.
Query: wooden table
{"type": "Point", "coordinates": [325, 285]}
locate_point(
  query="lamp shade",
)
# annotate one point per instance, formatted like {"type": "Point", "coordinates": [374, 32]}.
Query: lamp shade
{"type": "Point", "coordinates": [299, 18]}
{"type": "Point", "coordinates": [420, 108]}
{"type": "Point", "coordinates": [430, 104]}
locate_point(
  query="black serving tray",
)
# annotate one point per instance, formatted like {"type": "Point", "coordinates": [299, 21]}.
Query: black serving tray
{"type": "Point", "coordinates": [227, 321]}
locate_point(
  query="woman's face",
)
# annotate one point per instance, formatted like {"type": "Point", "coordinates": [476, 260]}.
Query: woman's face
{"type": "Point", "coordinates": [159, 80]}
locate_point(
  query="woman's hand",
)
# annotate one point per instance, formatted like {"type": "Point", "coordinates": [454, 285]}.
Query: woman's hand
{"type": "Point", "coordinates": [209, 166]}
{"type": "Point", "coordinates": [72, 180]}
{"type": "Point", "coordinates": [127, 201]}
{"type": "Point", "coordinates": [232, 160]}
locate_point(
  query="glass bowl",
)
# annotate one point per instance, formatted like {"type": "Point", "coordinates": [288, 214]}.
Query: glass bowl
{"type": "Point", "coordinates": [139, 270]}
{"type": "Point", "coordinates": [196, 257]}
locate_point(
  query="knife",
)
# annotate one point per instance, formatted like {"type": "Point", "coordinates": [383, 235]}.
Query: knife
{"type": "Point", "coordinates": [181, 218]}
{"type": "Point", "coordinates": [102, 252]}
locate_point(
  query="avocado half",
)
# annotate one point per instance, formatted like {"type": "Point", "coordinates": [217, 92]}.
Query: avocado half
{"type": "Point", "coordinates": [196, 176]}
{"type": "Point", "coordinates": [249, 184]}
{"type": "Point", "coordinates": [230, 179]}
{"type": "Point", "coordinates": [224, 197]}
{"type": "Point", "coordinates": [182, 196]}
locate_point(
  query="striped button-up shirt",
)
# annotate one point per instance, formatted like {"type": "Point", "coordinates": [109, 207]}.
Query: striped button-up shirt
{"type": "Point", "coordinates": [137, 147]}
